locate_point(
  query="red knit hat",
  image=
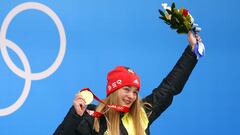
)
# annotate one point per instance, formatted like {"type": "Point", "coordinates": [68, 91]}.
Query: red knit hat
{"type": "Point", "coordinates": [121, 76]}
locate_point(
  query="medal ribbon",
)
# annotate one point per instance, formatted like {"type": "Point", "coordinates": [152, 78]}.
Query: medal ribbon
{"type": "Point", "coordinates": [119, 108]}
{"type": "Point", "coordinates": [199, 48]}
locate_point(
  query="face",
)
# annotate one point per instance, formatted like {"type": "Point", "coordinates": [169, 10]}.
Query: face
{"type": "Point", "coordinates": [127, 95]}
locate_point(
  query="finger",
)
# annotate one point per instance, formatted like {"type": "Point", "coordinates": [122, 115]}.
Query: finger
{"type": "Point", "coordinates": [79, 101]}
{"type": "Point", "coordinates": [79, 110]}
{"type": "Point", "coordinates": [82, 105]}
{"type": "Point", "coordinates": [79, 96]}
{"type": "Point", "coordinates": [198, 38]}
{"type": "Point", "coordinates": [79, 105]}
{"type": "Point", "coordinates": [190, 34]}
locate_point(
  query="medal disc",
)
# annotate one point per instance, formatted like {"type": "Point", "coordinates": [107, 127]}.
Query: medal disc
{"type": "Point", "coordinates": [88, 96]}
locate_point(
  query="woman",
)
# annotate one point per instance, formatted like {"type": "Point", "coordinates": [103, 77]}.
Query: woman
{"type": "Point", "coordinates": [122, 89]}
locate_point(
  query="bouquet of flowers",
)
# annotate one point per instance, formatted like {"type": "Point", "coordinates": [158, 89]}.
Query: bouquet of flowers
{"type": "Point", "coordinates": [179, 19]}
{"type": "Point", "coordinates": [183, 22]}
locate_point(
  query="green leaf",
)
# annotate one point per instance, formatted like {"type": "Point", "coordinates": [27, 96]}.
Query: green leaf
{"type": "Point", "coordinates": [181, 30]}
{"type": "Point", "coordinates": [188, 18]}
{"type": "Point", "coordinates": [174, 26]}
{"type": "Point", "coordinates": [163, 18]}
{"type": "Point", "coordinates": [173, 6]}
{"type": "Point", "coordinates": [169, 11]}
{"type": "Point", "coordinates": [167, 22]}
{"type": "Point", "coordinates": [175, 11]}
{"type": "Point", "coordinates": [180, 18]}
{"type": "Point", "coordinates": [161, 12]}
{"type": "Point", "coordinates": [174, 21]}
{"type": "Point", "coordinates": [186, 25]}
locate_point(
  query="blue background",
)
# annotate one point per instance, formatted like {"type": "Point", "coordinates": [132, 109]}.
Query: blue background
{"type": "Point", "coordinates": [102, 34]}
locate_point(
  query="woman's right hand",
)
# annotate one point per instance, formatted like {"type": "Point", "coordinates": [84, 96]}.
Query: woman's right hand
{"type": "Point", "coordinates": [79, 104]}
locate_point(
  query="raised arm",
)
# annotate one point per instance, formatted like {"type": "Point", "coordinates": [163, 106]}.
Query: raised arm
{"type": "Point", "coordinates": [77, 121]}
{"type": "Point", "coordinates": [162, 96]}
{"type": "Point", "coordinates": [73, 124]}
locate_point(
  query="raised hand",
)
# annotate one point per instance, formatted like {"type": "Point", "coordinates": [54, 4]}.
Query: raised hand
{"type": "Point", "coordinates": [79, 104]}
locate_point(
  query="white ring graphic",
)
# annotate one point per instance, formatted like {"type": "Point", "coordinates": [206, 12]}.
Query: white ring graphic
{"type": "Point", "coordinates": [12, 108]}
{"type": "Point", "coordinates": [57, 62]}
{"type": "Point", "coordinates": [26, 74]}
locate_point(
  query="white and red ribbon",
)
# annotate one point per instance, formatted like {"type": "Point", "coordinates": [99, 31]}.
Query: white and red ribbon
{"type": "Point", "coordinates": [119, 108]}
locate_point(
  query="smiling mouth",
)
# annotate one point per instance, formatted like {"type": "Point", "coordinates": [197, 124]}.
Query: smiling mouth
{"type": "Point", "coordinates": [127, 102]}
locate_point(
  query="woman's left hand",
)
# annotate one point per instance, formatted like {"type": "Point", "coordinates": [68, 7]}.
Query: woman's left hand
{"type": "Point", "coordinates": [193, 39]}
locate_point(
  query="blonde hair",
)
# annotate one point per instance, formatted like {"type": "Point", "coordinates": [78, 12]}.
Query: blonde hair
{"type": "Point", "coordinates": [113, 117]}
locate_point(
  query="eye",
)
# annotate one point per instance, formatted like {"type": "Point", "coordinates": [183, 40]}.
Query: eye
{"type": "Point", "coordinates": [135, 92]}
{"type": "Point", "coordinates": [126, 88]}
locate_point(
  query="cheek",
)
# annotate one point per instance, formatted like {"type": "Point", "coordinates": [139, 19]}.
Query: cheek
{"type": "Point", "coordinates": [135, 97]}
{"type": "Point", "coordinates": [122, 95]}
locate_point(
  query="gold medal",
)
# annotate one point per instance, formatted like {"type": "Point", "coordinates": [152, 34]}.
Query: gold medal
{"type": "Point", "coordinates": [88, 96]}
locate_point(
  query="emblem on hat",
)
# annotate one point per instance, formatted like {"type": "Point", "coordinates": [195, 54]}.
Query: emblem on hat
{"type": "Point", "coordinates": [131, 71]}
{"type": "Point", "coordinates": [136, 81]}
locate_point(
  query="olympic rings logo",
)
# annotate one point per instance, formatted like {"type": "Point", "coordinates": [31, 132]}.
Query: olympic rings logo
{"type": "Point", "coordinates": [27, 74]}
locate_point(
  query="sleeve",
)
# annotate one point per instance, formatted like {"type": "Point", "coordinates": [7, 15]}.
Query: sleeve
{"type": "Point", "coordinates": [162, 96]}
{"type": "Point", "coordinates": [73, 124]}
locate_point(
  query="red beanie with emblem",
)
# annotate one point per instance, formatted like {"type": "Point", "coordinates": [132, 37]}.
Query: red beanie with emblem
{"type": "Point", "coordinates": [121, 76]}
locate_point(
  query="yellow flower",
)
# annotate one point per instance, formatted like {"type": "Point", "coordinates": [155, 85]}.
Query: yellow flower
{"type": "Point", "coordinates": [168, 16]}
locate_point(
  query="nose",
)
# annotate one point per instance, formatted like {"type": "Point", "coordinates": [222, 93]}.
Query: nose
{"type": "Point", "coordinates": [131, 95]}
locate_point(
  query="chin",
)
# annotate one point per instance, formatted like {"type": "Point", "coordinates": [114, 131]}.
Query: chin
{"type": "Point", "coordinates": [125, 105]}
{"type": "Point", "coordinates": [129, 105]}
